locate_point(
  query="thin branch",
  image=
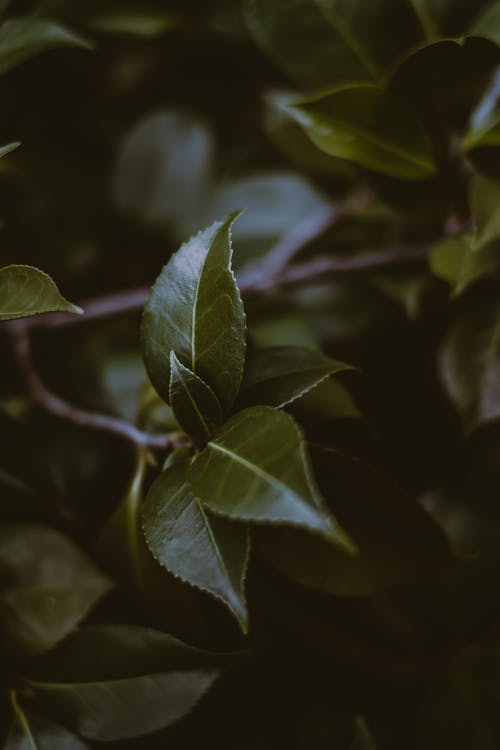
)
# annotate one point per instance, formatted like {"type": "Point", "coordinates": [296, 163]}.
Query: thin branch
{"type": "Point", "coordinates": [316, 268]}
{"type": "Point", "coordinates": [58, 406]}
{"type": "Point", "coordinates": [286, 249]}
{"type": "Point", "coordinates": [133, 300]}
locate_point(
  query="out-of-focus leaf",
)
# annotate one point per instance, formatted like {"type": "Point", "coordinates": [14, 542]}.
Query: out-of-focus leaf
{"type": "Point", "coordinates": [397, 540]}
{"type": "Point", "coordinates": [31, 732]}
{"type": "Point", "coordinates": [25, 291]}
{"type": "Point", "coordinates": [407, 290]}
{"type": "Point", "coordinates": [120, 541]}
{"type": "Point", "coordinates": [488, 22]}
{"type": "Point", "coordinates": [327, 400]}
{"type": "Point", "coordinates": [146, 25]}
{"type": "Point", "coordinates": [164, 168]}
{"type": "Point", "coordinates": [447, 18]}
{"type": "Point", "coordinates": [483, 126]}
{"type": "Point", "coordinates": [108, 373]}
{"type": "Point", "coordinates": [4, 150]}
{"type": "Point", "coordinates": [22, 38]}
{"type": "Point", "coordinates": [321, 42]}
{"type": "Point", "coordinates": [97, 674]}
{"type": "Point", "coordinates": [363, 739]}
{"type": "Point", "coordinates": [469, 364]}
{"type": "Point", "coordinates": [48, 585]}
{"type": "Point", "coordinates": [205, 551]}
{"type": "Point", "coordinates": [370, 127]}
{"type": "Point", "coordinates": [275, 203]}
{"type": "Point", "coordinates": [256, 469]}
{"type": "Point", "coordinates": [464, 259]}
{"type": "Point", "coordinates": [290, 139]}
{"type": "Point", "coordinates": [455, 260]}
{"type": "Point", "coordinates": [279, 375]}
{"type": "Point", "coordinates": [484, 198]}
{"type": "Point", "coordinates": [194, 403]}
{"type": "Point", "coordinates": [195, 309]}
{"type": "Point", "coordinates": [284, 330]}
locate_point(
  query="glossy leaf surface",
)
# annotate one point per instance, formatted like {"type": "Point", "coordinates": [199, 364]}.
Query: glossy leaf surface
{"type": "Point", "coordinates": [279, 375]}
{"type": "Point", "coordinates": [194, 404]}
{"type": "Point", "coordinates": [205, 551]}
{"type": "Point", "coordinates": [256, 469]}
{"type": "Point", "coordinates": [195, 310]}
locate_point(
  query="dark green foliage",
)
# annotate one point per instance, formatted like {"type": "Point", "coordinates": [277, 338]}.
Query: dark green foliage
{"type": "Point", "coordinates": [266, 516]}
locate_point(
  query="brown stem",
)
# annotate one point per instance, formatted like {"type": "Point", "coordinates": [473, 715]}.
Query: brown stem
{"type": "Point", "coordinates": [58, 406]}
{"type": "Point", "coordinates": [132, 300]}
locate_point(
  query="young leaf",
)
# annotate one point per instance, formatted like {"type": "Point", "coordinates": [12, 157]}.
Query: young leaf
{"type": "Point", "coordinates": [49, 585]}
{"type": "Point", "coordinates": [195, 309]}
{"type": "Point", "coordinates": [120, 541]}
{"type": "Point", "coordinates": [469, 364]}
{"type": "Point", "coordinates": [22, 38]}
{"type": "Point", "coordinates": [279, 375]}
{"type": "Point", "coordinates": [193, 402]}
{"type": "Point", "coordinates": [99, 673]}
{"type": "Point", "coordinates": [256, 469]}
{"type": "Point", "coordinates": [205, 551]}
{"type": "Point", "coordinates": [31, 732]}
{"type": "Point", "coordinates": [370, 127]}
{"type": "Point", "coordinates": [25, 291]}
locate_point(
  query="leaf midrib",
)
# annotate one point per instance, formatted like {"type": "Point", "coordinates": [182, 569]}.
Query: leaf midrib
{"type": "Point", "coordinates": [268, 478]}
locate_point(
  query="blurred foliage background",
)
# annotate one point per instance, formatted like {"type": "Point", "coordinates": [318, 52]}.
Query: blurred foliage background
{"type": "Point", "coordinates": [166, 116]}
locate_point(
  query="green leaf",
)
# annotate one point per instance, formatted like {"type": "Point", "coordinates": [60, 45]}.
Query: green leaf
{"type": "Point", "coordinates": [396, 540]}
{"type": "Point", "coordinates": [142, 24]}
{"type": "Point", "coordinates": [23, 38]}
{"type": "Point", "coordinates": [484, 199]}
{"type": "Point", "coordinates": [327, 400]}
{"type": "Point", "coordinates": [483, 126]}
{"type": "Point", "coordinates": [195, 309]}
{"type": "Point", "coordinates": [487, 24]}
{"type": "Point", "coordinates": [164, 168]}
{"type": "Point", "coordinates": [4, 150]}
{"type": "Point", "coordinates": [49, 585]}
{"type": "Point", "coordinates": [194, 404]}
{"type": "Point", "coordinates": [447, 18]}
{"type": "Point", "coordinates": [370, 127]}
{"type": "Point", "coordinates": [455, 260]}
{"type": "Point", "coordinates": [469, 364]}
{"type": "Point", "coordinates": [31, 732]}
{"type": "Point", "coordinates": [464, 259]}
{"type": "Point", "coordinates": [205, 551]}
{"type": "Point", "coordinates": [120, 541]}
{"type": "Point", "coordinates": [279, 375]}
{"type": "Point", "coordinates": [327, 42]}
{"type": "Point", "coordinates": [110, 683]}
{"type": "Point", "coordinates": [25, 291]}
{"type": "Point", "coordinates": [363, 739]}
{"type": "Point", "coordinates": [256, 469]}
